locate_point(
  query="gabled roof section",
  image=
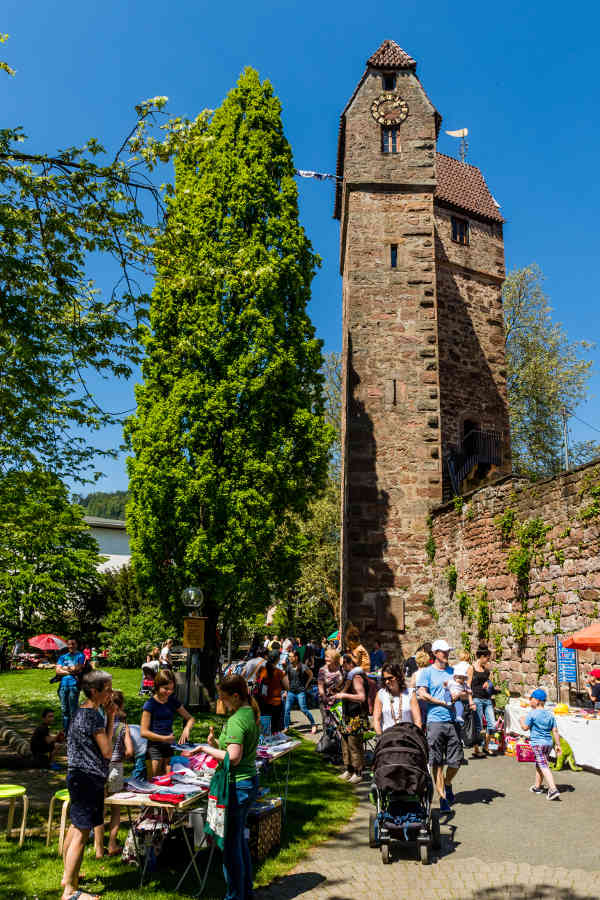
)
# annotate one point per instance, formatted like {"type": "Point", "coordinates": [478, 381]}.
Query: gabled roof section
{"type": "Point", "coordinates": [391, 56]}
{"type": "Point", "coordinates": [463, 186]}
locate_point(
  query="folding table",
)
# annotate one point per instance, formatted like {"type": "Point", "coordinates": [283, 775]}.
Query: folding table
{"type": "Point", "coordinates": [178, 815]}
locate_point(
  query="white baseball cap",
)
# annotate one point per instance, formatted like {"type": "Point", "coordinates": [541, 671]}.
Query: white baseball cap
{"type": "Point", "coordinates": [441, 645]}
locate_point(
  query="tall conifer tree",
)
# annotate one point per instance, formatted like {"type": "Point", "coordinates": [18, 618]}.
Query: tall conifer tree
{"type": "Point", "coordinates": [229, 440]}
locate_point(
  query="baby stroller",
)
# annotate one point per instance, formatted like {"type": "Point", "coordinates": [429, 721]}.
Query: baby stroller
{"type": "Point", "coordinates": [402, 793]}
{"type": "Point", "coordinates": [147, 685]}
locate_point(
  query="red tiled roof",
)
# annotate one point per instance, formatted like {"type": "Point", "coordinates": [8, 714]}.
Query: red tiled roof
{"type": "Point", "coordinates": [463, 186]}
{"type": "Point", "coordinates": [391, 56]}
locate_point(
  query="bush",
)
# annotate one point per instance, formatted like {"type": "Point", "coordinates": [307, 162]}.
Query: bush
{"type": "Point", "coordinates": [130, 640]}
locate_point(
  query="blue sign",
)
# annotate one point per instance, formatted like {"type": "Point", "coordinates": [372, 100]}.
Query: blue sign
{"type": "Point", "coordinates": [566, 663]}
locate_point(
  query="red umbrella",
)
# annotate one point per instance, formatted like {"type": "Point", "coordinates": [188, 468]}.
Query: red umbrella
{"type": "Point", "coordinates": [586, 639]}
{"type": "Point", "coordinates": [47, 642]}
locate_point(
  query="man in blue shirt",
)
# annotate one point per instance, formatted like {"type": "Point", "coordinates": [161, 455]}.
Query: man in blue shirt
{"type": "Point", "coordinates": [69, 667]}
{"type": "Point", "coordinates": [377, 657]}
{"type": "Point", "coordinates": [443, 736]}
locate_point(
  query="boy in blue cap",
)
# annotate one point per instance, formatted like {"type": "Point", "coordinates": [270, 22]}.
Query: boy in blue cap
{"type": "Point", "coordinates": [541, 724]}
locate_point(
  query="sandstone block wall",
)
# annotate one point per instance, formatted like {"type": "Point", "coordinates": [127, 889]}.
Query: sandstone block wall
{"type": "Point", "coordinates": [563, 590]}
{"type": "Point", "coordinates": [471, 331]}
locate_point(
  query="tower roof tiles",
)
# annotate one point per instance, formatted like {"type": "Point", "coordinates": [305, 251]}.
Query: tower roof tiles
{"type": "Point", "coordinates": [391, 56]}
{"type": "Point", "coordinates": [462, 185]}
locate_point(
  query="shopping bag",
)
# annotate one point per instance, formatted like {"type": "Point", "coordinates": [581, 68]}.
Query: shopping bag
{"type": "Point", "coordinates": [470, 728]}
{"type": "Point", "coordinates": [218, 801]}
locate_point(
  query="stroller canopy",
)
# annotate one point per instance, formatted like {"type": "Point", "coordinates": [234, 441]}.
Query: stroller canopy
{"type": "Point", "coordinates": [401, 760]}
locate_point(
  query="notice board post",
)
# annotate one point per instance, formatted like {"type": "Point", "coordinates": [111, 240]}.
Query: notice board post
{"type": "Point", "coordinates": [567, 669]}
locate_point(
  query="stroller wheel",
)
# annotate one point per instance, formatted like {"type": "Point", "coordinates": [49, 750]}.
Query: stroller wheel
{"type": "Point", "coordinates": [372, 837]}
{"type": "Point", "coordinates": [386, 854]}
{"type": "Point", "coordinates": [436, 835]}
{"type": "Point", "coordinates": [424, 853]}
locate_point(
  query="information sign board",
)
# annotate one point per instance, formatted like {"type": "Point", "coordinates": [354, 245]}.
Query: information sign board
{"type": "Point", "coordinates": [566, 663]}
{"type": "Point", "coordinates": [193, 632]}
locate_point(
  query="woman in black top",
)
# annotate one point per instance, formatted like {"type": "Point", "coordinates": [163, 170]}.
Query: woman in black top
{"type": "Point", "coordinates": [355, 719]}
{"type": "Point", "coordinates": [482, 697]}
{"type": "Point", "coordinates": [89, 749]}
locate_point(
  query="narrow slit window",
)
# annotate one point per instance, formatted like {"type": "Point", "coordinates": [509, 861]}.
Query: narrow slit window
{"type": "Point", "coordinates": [390, 139]}
{"type": "Point", "coordinates": [394, 392]}
{"type": "Point", "coordinates": [394, 258]}
{"type": "Point", "coordinates": [460, 231]}
{"type": "Point", "coordinates": [389, 82]}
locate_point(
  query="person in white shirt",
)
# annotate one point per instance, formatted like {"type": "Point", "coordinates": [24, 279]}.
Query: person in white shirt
{"type": "Point", "coordinates": [165, 654]}
{"type": "Point", "coordinates": [395, 702]}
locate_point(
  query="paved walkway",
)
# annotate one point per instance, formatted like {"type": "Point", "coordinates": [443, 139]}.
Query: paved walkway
{"type": "Point", "coordinates": [500, 842]}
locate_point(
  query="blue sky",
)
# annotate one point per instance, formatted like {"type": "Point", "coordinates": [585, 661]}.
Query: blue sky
{"type": "Point", "coordinates": [521, 77]}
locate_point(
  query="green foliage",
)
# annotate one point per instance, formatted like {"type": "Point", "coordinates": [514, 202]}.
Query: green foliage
{"type": "Point", "coordinates": [465, 607]}
{"type": "Point", "coordinates": [430, 542]}
{"type": "Point", "coordinates": [430, 604]}
{"type": "Point", "coordinates": [104, 505]}
{"type": "Point", "coordinates": [458, 502]}
{"type": "Point", "coordinates": [554, 616]}
{"type": "Point", "coordinates": [465, 641]}
{"type": "Point", "coordinates": [559, 556]}
{"type": "Point", "coordinates": [566, 532]}
{"type": "Point", "coordinates": [531, 536]}
{"type": "Point", "coordinates": [470, 513]}
{"type": "Point", "coordinates": [592, 510]}
{"type": "Point", "coordinates": [229, 443]}
{"type": "Point", "coordinates": [48, 557]}
{"type": "Point", "coordinates": [546, 372]}
{"type": "Point", "coordinates": [451, 577]}
{"type": "Point", "coordinates": [521, 626]}
{"type": "Point", "coordinates": [506, 523]}
{"type": "Point", "coordinates": [58, 211]}
{"type": "Point", "coordinates": [130, 638]}
{"type": "Point", "coordinates": [484, 614]}
{"type": "Point", "coordinates": [541, 655]}
{"type": "Point", "coordinates": [497, 642]}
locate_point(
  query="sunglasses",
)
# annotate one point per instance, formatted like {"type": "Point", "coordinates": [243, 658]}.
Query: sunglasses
{"type": "Point", "coordinates": [389, 678]}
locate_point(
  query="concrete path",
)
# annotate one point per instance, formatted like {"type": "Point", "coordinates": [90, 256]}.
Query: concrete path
{"type": "Point", "coordinates": [500, 842]}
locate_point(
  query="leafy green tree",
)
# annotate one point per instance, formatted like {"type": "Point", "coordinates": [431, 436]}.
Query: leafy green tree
{"type": "Point", "coordinates": [57, 211]}
{"type": "Point", "coordinates": [229, 443]}
{"type": "Point", "coordinates": [105, 505]}
{"type": "Point", "coordinates": [545, 373]}
{"type": "Point", "coordinates": [48, 557]}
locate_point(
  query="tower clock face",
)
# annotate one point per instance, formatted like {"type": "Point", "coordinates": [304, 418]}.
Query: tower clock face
{"type": "Point", "coordinates": [389, 109]}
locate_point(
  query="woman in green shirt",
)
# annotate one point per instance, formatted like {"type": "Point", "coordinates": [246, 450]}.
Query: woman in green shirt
{"type": "Point", "coordinates": [239, 739]}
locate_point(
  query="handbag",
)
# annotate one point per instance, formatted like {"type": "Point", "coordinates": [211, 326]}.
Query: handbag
{"type": "Point", "coordinates": [470, 730]}
{"type": "Point", "coordinates": [218, 803]}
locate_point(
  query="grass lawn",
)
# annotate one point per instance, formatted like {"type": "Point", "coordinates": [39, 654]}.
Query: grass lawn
{"type": "Point", "coordinates": [318, 805]}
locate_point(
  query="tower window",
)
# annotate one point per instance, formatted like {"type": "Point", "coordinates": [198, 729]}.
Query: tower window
{"type": "Point", "coordinates": [394, 256]}
{"type": "Point", "coordinates": [389, 82]}
{"type": "Point", "coordinates": [390, 139]}
{"type": "Point", "coordinates": [460, 231]}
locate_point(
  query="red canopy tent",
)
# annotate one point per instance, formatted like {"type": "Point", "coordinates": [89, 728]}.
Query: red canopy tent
{"type": "Point", "coordinates": [586, 639]}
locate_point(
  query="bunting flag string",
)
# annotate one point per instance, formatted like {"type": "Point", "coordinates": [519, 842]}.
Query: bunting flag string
{"type": "Point", "coordinates": [320, 176]}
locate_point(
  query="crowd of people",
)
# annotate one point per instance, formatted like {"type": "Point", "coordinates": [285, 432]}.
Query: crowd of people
{"type": "Point", "coordinates": [352, 685]}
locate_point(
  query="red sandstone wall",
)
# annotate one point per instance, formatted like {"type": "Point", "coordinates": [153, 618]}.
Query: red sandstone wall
{"type": "Point", "coordinates": [564, 586]}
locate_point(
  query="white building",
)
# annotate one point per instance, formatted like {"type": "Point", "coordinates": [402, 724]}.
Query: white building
{"type": "Point", "coordinates": [113, 541]}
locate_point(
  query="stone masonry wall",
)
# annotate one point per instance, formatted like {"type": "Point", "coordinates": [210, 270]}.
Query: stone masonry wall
{"type": "Point", "coordinates": [561, 593]}
{"type": "Point", "coordinates": [471, 332]}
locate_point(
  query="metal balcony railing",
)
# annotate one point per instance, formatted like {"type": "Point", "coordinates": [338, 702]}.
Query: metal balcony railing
{"type": "Point", "coordinates": [478, 448]}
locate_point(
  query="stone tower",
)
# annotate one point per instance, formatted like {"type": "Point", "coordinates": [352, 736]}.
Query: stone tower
{"type": "Point", "coordinates": [424, 383]}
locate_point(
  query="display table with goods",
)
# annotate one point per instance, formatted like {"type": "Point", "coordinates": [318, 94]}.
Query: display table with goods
{"type": "Point", "coordinates": [579, 727]}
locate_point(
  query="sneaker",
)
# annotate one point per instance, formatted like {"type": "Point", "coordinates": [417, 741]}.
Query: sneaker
{"type": "Point", "coordinates": [355, 779]}
{"type": "Point", "coordinates": [346, 776]}
{"type": "Point", "coordinates": [553, 795]}
{"type": "Point", "coordinates": [537, 790]}
{"type": "Point", "coordinates": [444, 805]}
{"type": "Point", "coordinates": [449, 794]}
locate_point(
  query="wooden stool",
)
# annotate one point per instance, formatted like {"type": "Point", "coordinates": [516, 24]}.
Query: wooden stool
{"type": "Point", "coordinates": [63, 795]}
{"type": "Point", "coordinates": [11, 792]}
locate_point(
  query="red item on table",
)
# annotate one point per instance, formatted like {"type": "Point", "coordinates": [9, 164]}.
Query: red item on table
{"type": "Point", "coordinates": [175, 799]}
{"type": "Point", "coordinates": [162, 780]}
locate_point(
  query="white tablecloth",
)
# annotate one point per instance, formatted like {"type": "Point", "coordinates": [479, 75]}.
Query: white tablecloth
{"type": "Point", "coordinates": [583, 735]}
